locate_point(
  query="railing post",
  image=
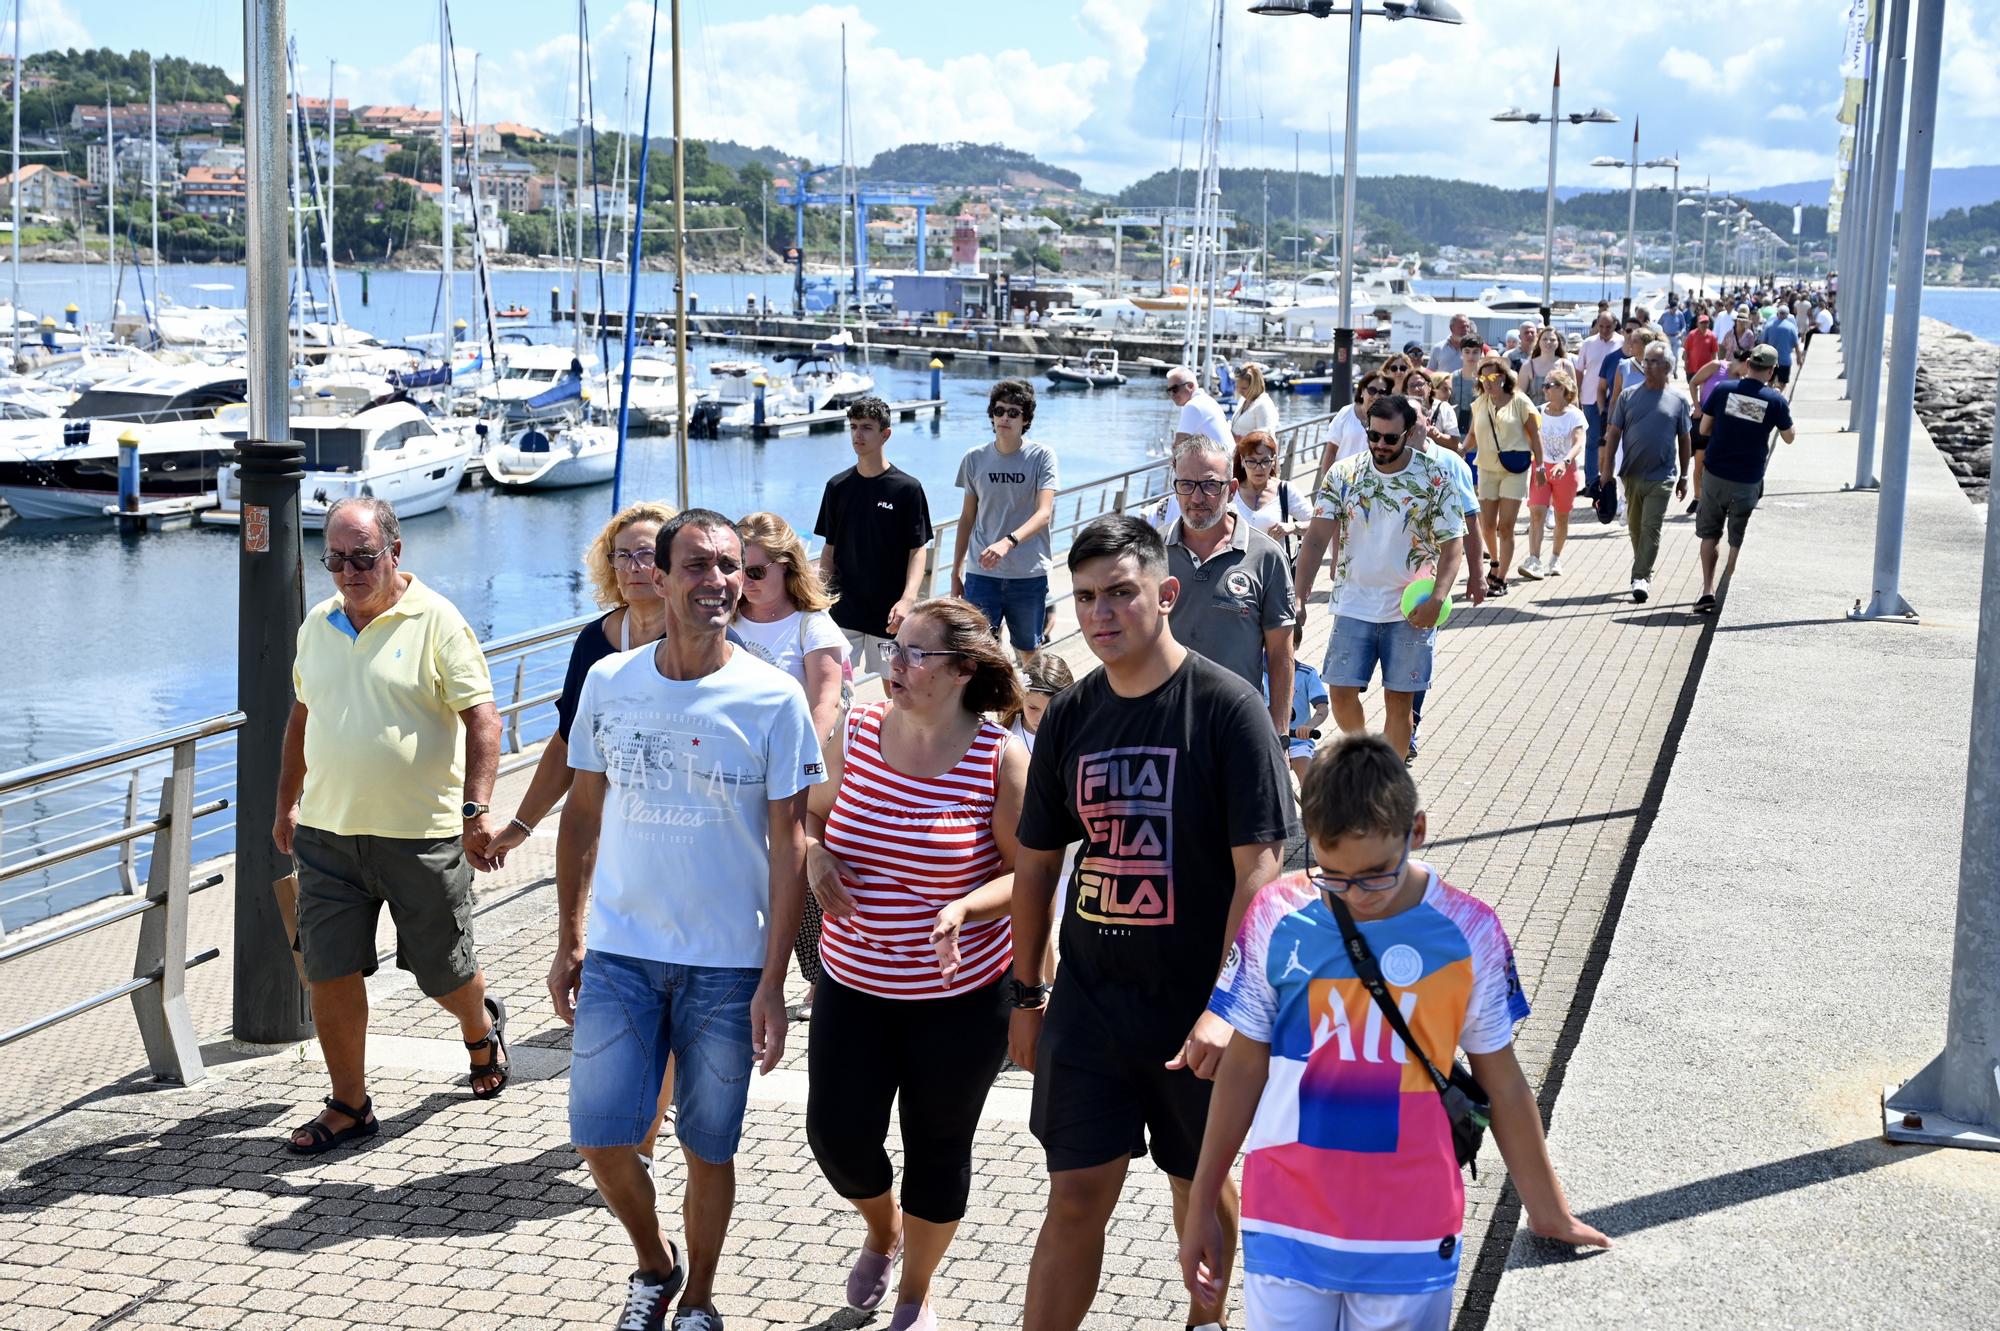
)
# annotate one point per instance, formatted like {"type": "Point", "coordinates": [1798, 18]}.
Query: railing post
{"type": "Point", "coordinates": [514, 714]}
{"type": "Point", "coordinates": [127, 856]}
{"type": "Point", "coordinates": [172, 1048]}
{"type": "Point", "coordinates": [1118, 504]}
{"type": "Point", "coordinates": [930, 567]}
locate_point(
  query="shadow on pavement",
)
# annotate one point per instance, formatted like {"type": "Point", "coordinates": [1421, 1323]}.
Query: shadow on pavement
{"type": "Point", "coordinates": [1529, 829]}
{"type": "Point", "coordinates": [1704, 1196]}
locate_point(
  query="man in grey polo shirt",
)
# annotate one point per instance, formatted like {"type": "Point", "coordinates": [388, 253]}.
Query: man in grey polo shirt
{"type": "Point", "coordinates": [1652, 419]}
{"type": "Point", "coordinates": [1235, 604]}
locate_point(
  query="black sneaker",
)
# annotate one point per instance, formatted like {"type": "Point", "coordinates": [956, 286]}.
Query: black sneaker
{"type": "Point", "coordinates": [1705, 604]}
{"type": "Point", "coordinates": [649, 1299]}
{"type": "Point", "coordinates": [1693, 504]}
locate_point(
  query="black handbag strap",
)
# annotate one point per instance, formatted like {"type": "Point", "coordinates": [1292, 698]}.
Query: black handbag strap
{"type": "Point", "coordinates": [1371, 976]}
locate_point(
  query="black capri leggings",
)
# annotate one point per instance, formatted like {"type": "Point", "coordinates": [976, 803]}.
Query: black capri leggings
{"type": "Point", "coordinates": [938, 1055]}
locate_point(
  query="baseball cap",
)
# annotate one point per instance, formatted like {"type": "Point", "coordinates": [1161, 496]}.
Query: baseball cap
{"type": "Point", "coordinates": [1412, 348]}
{"type": "Point", "coordinates": [1763, 356]}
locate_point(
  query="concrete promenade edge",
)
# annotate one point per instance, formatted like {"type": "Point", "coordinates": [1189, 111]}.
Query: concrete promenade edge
{"type": "Point", "coordinates": [121, 1202]}
{"type": "Point", "coordinates": [1783, 949]}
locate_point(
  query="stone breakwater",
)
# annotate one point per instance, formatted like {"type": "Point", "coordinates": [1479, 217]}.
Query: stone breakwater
{"type": "Point", "coordinates": [1956, 377]}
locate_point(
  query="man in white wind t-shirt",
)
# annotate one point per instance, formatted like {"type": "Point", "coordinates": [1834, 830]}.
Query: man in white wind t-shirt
{"type": "Point", "coordinates": [684, 836]}
{"type": "Point", "coordinates": [1200, 414]}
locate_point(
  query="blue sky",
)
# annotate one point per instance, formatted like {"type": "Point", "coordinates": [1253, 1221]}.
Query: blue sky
{"type": "Point", "coordinates": [1110, 87]}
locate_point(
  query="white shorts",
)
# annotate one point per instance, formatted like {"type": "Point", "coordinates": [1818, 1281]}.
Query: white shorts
{"type": "Point", "coordinates": [1271, 1304]}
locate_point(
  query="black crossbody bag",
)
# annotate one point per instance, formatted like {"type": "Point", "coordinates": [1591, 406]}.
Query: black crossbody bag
{"type": "Point", "coordinates": [1465, 1102]}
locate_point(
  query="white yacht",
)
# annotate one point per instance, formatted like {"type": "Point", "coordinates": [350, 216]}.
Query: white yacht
{"type": "Point", "coordinates": [384, 450]}
{"type": "Point", "coordinates": [67, 466]}
{"type": "Point", "coordinates": [655, 391]}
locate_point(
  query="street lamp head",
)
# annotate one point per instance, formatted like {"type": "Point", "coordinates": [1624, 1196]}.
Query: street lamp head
{"type": "Point", "coordinates": [1287, 8]}
{"type": "Point", "coordinates": [1430, 11]}
{"type": "Point", "coordinates": [1596, 115]}
{"type": "Point", "coordinates": [1664, 162]}
{"type": "Point", "coordinates": [1515, 115]}
{"type": "Point", "coordinates": [1608, 161]}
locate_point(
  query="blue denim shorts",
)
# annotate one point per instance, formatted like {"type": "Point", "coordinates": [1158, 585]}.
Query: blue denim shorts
{"type": "Point", "coordinates": [1358, 644]}
{"type": "Point", "coordinates": [630, 1013]}
{"type": "Point", "coordinates": [1018, 602]}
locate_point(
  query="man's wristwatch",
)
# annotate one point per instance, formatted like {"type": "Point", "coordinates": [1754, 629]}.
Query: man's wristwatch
{"type": "Point", "coordinates": [1027, 995]}
{"type": "Point", "coordinates": [470, 810]}
{"type": "Point", "coordinates": [1012, 540]}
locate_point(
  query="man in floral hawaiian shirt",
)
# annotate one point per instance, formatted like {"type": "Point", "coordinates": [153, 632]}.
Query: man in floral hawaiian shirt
{"type": "Point", "coordinates": [1392, 517]}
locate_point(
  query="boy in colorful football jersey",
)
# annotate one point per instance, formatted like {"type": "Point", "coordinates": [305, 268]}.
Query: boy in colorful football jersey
{"type": "Point", "coordinates": [1352, 1198]}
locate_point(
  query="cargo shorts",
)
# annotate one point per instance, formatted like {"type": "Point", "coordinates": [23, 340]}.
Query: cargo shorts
{"type": "Point", "coordinates": [344, 881]}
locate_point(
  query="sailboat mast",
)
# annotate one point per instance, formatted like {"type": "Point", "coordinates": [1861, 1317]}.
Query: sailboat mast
{"type": "Point", "coordinates": [110, 205]}
{"type": "Point", "coordinates": [153, 165]}
{"type": "Point", "coordinates": [444, 175]}
{"type": "Point", "coordinates": [15, 299]}
{"type": "Point", "coordinates": [299, 146]}
{"type": "Point", "coordinates": [576, 282]}
{"type": "Point", "coordinates": [846, 190]}
{"type": "Point", "coordinates": [326, 229]}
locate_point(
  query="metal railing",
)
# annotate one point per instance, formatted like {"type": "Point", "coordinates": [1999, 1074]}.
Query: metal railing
{"type": "Point", "coordinates": [157, 987]}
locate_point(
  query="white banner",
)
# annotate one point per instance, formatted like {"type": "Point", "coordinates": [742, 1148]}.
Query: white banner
{"type": "Point", "coordinates": [1854, 49]}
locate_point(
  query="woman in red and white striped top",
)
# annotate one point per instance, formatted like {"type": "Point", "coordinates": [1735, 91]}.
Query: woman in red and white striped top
{"type": "Point", "coordinates": [910, 858]}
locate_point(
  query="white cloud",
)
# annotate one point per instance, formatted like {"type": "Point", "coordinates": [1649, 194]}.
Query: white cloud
{"type": "Point", "coordinates": [1786, 111]}
{"type": "Point", "coordinates": [46, 25]}
{"type": "Point", "coordinates": [1687, 67]}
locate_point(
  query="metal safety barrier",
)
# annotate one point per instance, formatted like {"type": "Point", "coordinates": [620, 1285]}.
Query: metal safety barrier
{"type": "Point", "coordinates": [160, 964]}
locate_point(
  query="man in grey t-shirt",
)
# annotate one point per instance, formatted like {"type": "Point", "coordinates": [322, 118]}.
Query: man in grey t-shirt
{"type": "Point", "coordinates": [1235, 604]}
{"type": "Point", "coordinates": [1652, 420]}
{"type": "Point", "coordinates": [1010, 496]}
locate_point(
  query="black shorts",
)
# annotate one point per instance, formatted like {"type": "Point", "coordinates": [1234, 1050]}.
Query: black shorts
{"type": "Point", "coordinates": [1101, 1094]}
{"type": "Point", "coordinates": [1784, 376]}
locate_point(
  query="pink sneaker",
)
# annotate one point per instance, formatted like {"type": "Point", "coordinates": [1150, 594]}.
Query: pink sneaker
{"type": "Point", "coordinates": [868, 1281]}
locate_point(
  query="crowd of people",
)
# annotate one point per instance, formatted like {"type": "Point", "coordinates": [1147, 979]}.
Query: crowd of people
{"type": "Point", "coordinates": [999, 861]}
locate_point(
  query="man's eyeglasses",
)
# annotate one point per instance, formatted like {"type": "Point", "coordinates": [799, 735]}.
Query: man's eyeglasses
{"type": "Point", "coordinates": [1175, 388]}
{"type": "Point", "coordinates": [639, 558]}
{"type": "Point", "coordinates": [1006, 413]}
{"type": "Point", "coordinates": [1210, 488]}
{"type": "Point", "coordinates": [914, 657]}
{"type": "Point", "coordinates": [360, 561]}
{"type": "Point", "coordinates": [1384, 436]}
{"type": "Point", "coordinates": [1340, 884]}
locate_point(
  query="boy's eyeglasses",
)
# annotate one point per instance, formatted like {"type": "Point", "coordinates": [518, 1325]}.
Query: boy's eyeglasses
{"type": "Point", "coordinates": [1374, 882]}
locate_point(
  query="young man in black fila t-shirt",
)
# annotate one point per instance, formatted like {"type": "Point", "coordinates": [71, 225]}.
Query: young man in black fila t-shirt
{"type": "Point", "coordinates": [1166, 768]}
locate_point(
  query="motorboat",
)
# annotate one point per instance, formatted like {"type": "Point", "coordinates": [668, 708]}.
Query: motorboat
{"type": "Point", "coordinates": [1099, 370]}
{"type": "Point", "coordinates": [655, 391]}
{"type": "Point", "coordinates": [511, 312]}
{"type": "Point", "coordinates": [824, 378]}
{"type": "Point", "coordinates": [734, 407]}
{"type": "Point", "coordinates": [554, 455]}
{"type": "Point", "coordinates": [67, 466]}
{"type": "Point", "coordinates": [384, 449]}
{"type": "Point", "coordinates": [520, 389]}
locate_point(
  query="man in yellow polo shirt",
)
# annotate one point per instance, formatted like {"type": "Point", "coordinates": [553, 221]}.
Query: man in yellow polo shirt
{"type": "Point", "coordinates": [389, 762]}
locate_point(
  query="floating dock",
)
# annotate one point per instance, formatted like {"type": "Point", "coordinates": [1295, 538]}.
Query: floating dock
{"type": "Point", "coordinates": [160, 514]}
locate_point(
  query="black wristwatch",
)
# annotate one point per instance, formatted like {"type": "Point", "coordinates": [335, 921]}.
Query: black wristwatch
{"type": "Point", "coordinates": [470, 810]}
{"type": "Point", "coordinates": [1012, 540]}
{"type": "Point", "coordinates": [1029, 996]}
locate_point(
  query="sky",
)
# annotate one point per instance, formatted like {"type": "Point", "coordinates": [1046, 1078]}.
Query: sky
{"type": "Point", "coordinates": [1113, 89]}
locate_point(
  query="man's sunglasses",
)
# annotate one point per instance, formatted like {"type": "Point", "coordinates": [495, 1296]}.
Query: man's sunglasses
{"type": "Point", "coordinates": [360, 561]}
{"type": "Point", "coordinates": [1006, 413]}
{"type": "Point", "coordinates": [1384, 436]}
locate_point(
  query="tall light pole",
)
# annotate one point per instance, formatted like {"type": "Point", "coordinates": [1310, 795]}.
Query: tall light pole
{"type": "Point", "coordinates": [1429, 11]}
{"type": "Point", "coordinates": [1631, 163]}
{"type": "Point", "coordinates": [1515, 115]}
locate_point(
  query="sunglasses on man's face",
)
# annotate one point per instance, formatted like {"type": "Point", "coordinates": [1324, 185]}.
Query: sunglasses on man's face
{"type": "Point", "coordinates": [360, 561]}
{"type": "Point", "coordinates": [1005, 413]}
{"type": "Point", "coordinates": [1385, 436]}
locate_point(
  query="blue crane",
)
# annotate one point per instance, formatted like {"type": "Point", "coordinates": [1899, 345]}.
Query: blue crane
{"type": "Point", "coordinates": [867, 194]}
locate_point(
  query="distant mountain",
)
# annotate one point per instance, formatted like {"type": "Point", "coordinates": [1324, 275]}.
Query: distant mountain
{"type": "Point", "coordinates": [1951, 187]}
{"type": "Point", "coordinates": [736, 156]}
{"type": "Point", "coordinates": [965, 164]}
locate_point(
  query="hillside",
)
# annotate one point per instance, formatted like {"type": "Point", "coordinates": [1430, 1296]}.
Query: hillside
{"type": "Point", "coordinates": [1406, 211]}
{"type": "Point", "coordinates": [1951, 187]}
{"type": "Point", "coordinates": [92, 76]}
{"type": "Point", "coordinates": [966, 164]}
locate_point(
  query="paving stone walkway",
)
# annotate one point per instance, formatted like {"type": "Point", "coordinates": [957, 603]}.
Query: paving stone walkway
{"type": "Point", "coordinates": [122, 1203]}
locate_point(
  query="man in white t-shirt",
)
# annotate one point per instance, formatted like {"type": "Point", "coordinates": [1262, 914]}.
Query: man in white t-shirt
{"type": "Point", "coordinates": [684, 837]}
{"type": "Point", "coordinates": [1200, 414]}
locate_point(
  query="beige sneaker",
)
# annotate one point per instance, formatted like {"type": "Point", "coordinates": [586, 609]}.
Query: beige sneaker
{"type": "Point", "coordinates": [1531, 568]}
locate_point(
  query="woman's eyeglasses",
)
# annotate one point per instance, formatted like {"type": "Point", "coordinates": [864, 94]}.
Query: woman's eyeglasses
{"type": "Point", "coordinates": [914, 657]}
{"type": "Point", "coordinates": [639, 558]}
{"type": "Point", "coordinates": [756, 572]}
{"type": "Point", "coordinates": [1260, 462]}
{"type": "Point", "coordinates": [360, 561]}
